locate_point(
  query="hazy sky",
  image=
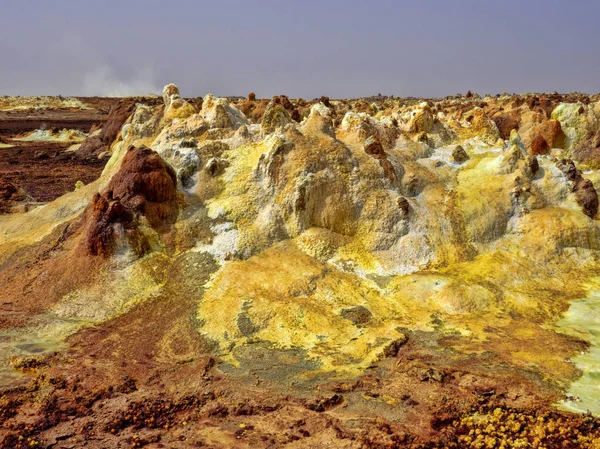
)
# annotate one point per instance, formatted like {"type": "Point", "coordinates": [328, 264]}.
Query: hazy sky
{"type": "Point", "coordinates": [305, 48]}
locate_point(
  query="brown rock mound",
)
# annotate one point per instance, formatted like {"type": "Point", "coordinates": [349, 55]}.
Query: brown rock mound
{"type": "Point", "coordinates": [374, 149]}
{"type": "Point", "coordinates": [552, 133]}
{"type": "Point", "coordinates": [325, 100]}
{"type": "Point", "coordinates": [533, 164]}
{"type": "Point", "coordinates": [284, 101]}
{"type": "Point", "coordinates": [248, 105]}
{"type": "Point", "coordinates": [507, 122]}
{"type": "Point", "coordinates": [539, 145]}
{"type": "Point", "coordinates": [257, 111]}
{"type": "Point", "coordinates": [586, 197]}
{"type": "Point", "coordinates": [144, 186]}
{"type": "Point", "coordinates": [541, 104]}
{"type": "Point", "coordinates": [9, 193]}
{"type": "Point", "coordinates": [585, 192]}
{"type": "Point", "coordinates": [460, 155]}
{"type": "Point", "coordinates": [94, 145]}
{"type": "Point", "coordinates": [7, 190]}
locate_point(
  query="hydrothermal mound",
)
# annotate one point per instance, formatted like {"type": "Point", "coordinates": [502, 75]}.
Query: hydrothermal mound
{"type": "Point", "coordinates": [371, 273]}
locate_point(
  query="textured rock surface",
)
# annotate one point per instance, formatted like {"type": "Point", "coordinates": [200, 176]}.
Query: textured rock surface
{"type": "Point", "coordinates": [143, 187]}
{"type": "Point", "coordinates": [344, 273]}
{"type": "Point", "coordinates": [101, 142]}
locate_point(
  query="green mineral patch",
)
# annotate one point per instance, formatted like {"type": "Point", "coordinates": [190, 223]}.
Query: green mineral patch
{"type": "Point", "coordinates": [582, 320]}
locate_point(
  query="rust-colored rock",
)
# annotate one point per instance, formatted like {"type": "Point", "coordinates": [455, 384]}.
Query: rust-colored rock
{"type": "Point", "coordinates": [552, 133]}
{"type": "Point", "coordinates": [9, 193]}
{"type": "Point", "coordinates": [374, 149]}
{"type": "Point", "coordinates": [144, 186]}
{"type": "Point", "coordinates": [539, 145]}
{"type": "Point", "coordinates": [257, 111]}
{"type": "Point", "coordinates": [147, 185]}
{"type": "Point", "coordinates": [507, 122]}
{"type": "Point", "coordinates": [109, 217]}
{"type": "Point", "coordinates": [251, 96]}
{"type": "Point", "coordinates": [7, 190]}
{"type": "Point", "coordinates": [94, 145]}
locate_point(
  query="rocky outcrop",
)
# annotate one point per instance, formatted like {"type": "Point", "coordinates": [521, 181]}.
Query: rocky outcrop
{"type": "Point", "coordinates": [539, 145]}
{"type": "Point", "coordinates": [588, 151]}
{"type": "Point", "coordinates": [175, 106]}
{"type": "Point", "coordinates": [275, 116]}
{"type": "Point", "coordinates": [9, 195]}
{"type": "Point", "coordinates": [584, 190]}
{"type": "Point", "coordinates": [319, 120]}
{"type": "Point", "coordinates": [506, 122]}
{"type": "Point", "coordinates": [145, 188]}
{"type": "Point", "coordinates": [459, 155]}
{"type": "Point", "coordinates": [532, 164]}
{"type": "Point", "coordinates": [421, 120]}
{"type": "Point", "coordinates": [219, 113]}
{"type": "Point", "coordinates": [99, 143]}
{"type": "Point", "coordinates": [284, 101]}
{"type": "Point", "coordinates": [547, 135]}
{"type": "Point", "coordinates": [374, 149]}
{"type": "Point", "coordinates": [586, 196]}
{"type": "Point", "coordinates": [315, 249]}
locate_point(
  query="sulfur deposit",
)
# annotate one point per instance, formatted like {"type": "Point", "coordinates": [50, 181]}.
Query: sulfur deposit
{"type": "Point", "coordinates": [329, 273]}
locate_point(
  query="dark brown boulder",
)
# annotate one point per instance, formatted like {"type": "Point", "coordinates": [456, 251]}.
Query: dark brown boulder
{"type": "Point", "coordinates": [325, 101]}
{"type": "Point", "coordinates": [459, 155]}
{"type": "Point", "coordinates": [539, 145]}
{"type": "Point", "coordinates": [567, 166]}
{"type": "Point", "coordinates": [533, 164]}
{"type": "Point", "coordinates": [144, 186]}
{"type": "Point", "coordinates": [531, 102]}
{"type": "Point", "coordinates": [585, 192]}
{"type": "Point", "coordinates": [251, 96]}
{"type": "Point", "coordinates": [403, 205]}
{"type": "Point", "coordinates": [586, 197]}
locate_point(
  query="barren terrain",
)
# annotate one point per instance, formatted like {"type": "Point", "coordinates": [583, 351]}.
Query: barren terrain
{"type": "Point", "coordinates": [245, 273]}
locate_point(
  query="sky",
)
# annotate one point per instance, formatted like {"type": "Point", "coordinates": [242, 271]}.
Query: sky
{"type": "Point", "coordinates": [301, 48]}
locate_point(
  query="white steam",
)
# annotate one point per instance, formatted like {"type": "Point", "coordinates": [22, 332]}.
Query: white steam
{"type": "Point", "coordinates": [102, 81]}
